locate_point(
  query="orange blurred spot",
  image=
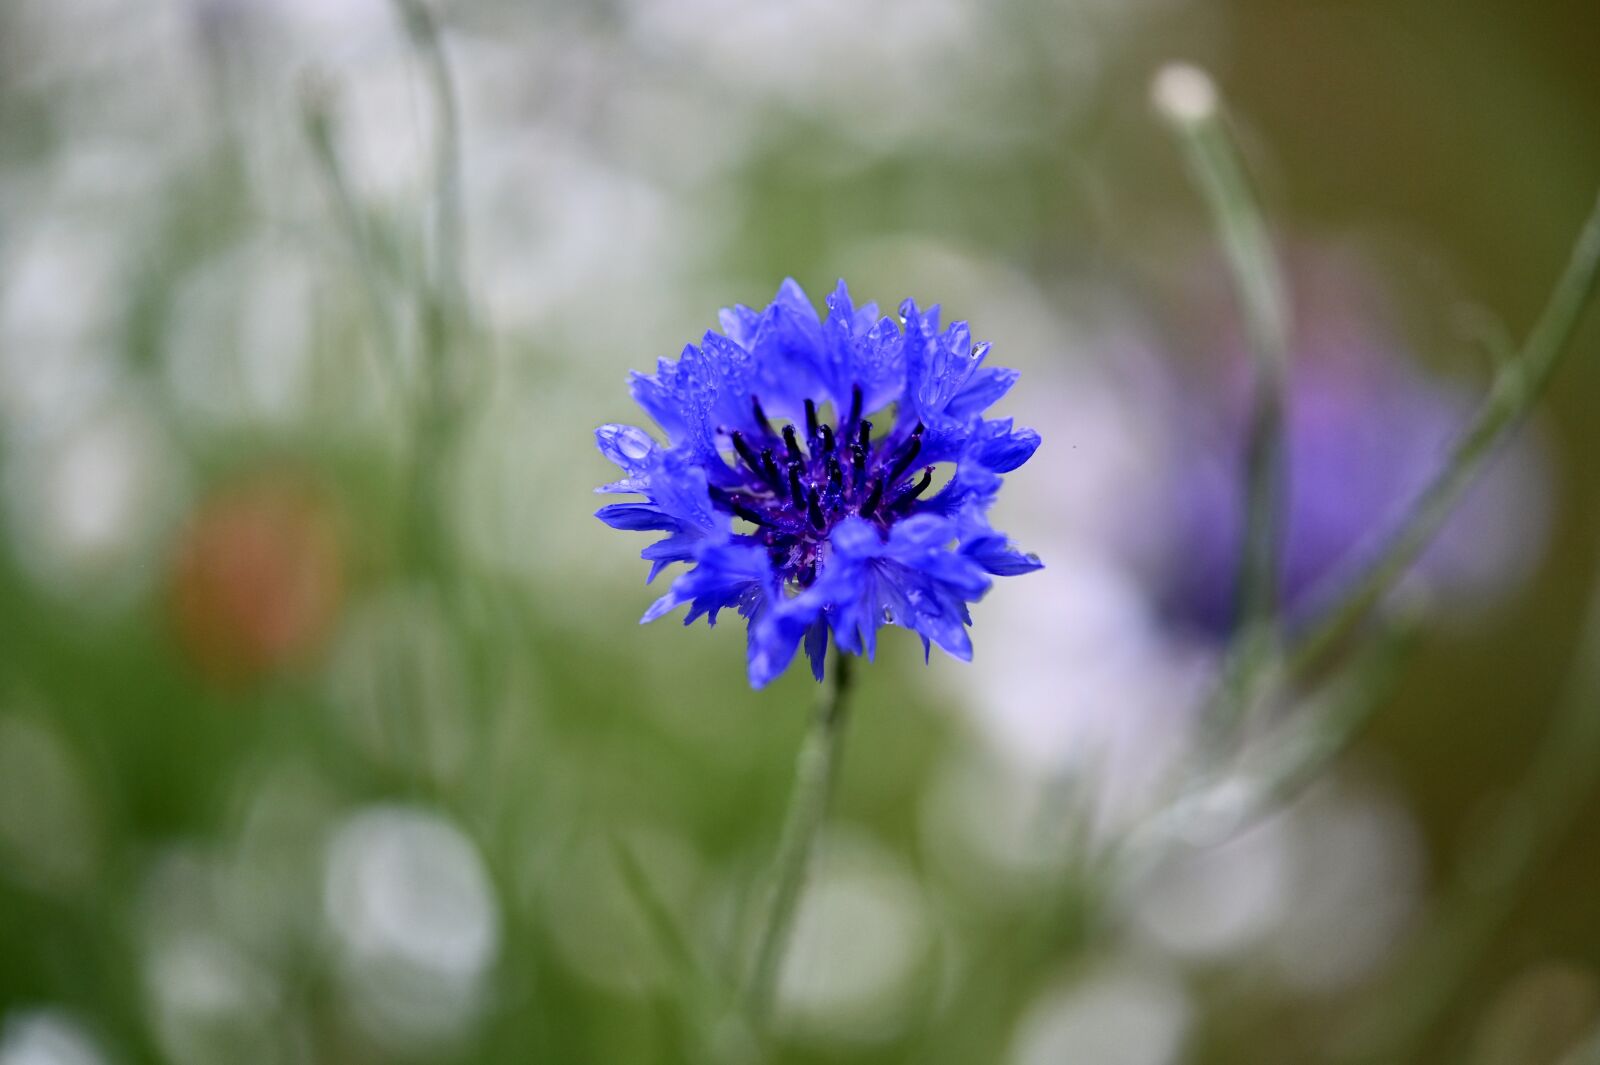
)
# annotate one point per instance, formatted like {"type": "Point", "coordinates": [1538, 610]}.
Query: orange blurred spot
{"type": "Point", "coordinates": [257, 578]}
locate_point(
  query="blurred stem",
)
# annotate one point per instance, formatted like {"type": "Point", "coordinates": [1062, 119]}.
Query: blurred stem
{"type": "Point", "coordinates": [1285, 772]}
{"type": "Point", "coordinates": [1325, 736]}
{"type": "Point", "coordinates": [694, 981]}
{"type": "Point", "coordinates": [442, 305]}
{"type": "Point", "coordinates": [1188, 100]}
{"type": "Point", "coordinates": [1517, 386]}
{"type": "Point", "coordinates": [1524, 833]}
{"type": "Point", "coordinates": [814, 783]}
{"type": "Point", "coordinates": [316, 112]}
{"type": "Point", "coordinates": [449, 227]}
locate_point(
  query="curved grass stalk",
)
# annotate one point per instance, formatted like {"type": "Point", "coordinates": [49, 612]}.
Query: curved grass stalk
{"type": "Point", "coordinates": [1518, 385]}
{"type": "Point", "coordinates": [447, 267]}
{"type": "Point", "coordinates": [1187, 98]}
{"type": "Point", "coordinates": [317, 117]}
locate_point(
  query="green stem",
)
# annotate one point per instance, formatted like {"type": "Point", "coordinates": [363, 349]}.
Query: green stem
{"type": "Point", "coordinates": [1188, 99]}
{"type": "Point", "coordinates": [1517, 387]}
{"type": "Point", "coordinates": [1525, 833]}
{"type": "Point", "coordinates": [1325, 735]}
{"type": "Point", "coordinates": [1280, 775]}
{"type": "Point", "coordinates": [814, 781]}
{"type": "Point", "coordinates": [448, 251]}
{"type": "Point", "coordinates": [442, 304]}
{"type": "Point", "coordinates": [316, 111]}
{"type": "Point", "coordinates": [1215, 163]}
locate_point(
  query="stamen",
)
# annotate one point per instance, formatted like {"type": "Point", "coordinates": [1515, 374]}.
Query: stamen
{"type": "Point", "coordinates": [795, 454]}
{"type": "Point", "coordinates": [908, 454]}
{"type": "Point", "coordinates": [873, 498]}
{"type": "Point", "coordinates": [749, 514]}
{"type": "Point", "coordinates": [917, 489]}
{"type": "Point", "coordinates": [761, 416]}
{"type": "Point", "coordinates": [747, 453]}
{"type": "Point", "coordinates": [739, 505]}
{"type": "Point", "coordinates": [815, 483]}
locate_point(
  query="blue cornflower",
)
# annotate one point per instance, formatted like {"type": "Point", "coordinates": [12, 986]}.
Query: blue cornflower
{"type": "Point", "coordinates": [796, 474]}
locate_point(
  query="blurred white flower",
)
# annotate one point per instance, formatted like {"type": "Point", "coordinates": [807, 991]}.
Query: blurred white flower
{"type": "Point", "coordinates": [1320, 891]}
{"type": "Point", "coordinates": [85, 54]}
{"type": "Point", "coordinates": [58, 281]}
{"type": "Point", "coordinates": [209, 996]}
{"type": "Point", "coordinates": [1076, 683]}
{"type": "Point", "coordinates": [1123, 1015]}
{"type": "Point", "coordinates": [934, 73]}
{"type": "Point", "coordinates": [210, 1000]}
{"type": "Point", "coordinates": [996, 833]}
{"type": "Point", "coordinates": [410, 907]}
{"type": "Point", "coordinates": [90, 505]}
{"type": "Point", "coordinates": [784, 50]}
{"type": "Point", "coordinates": [1079, 679]}
{"type": "Point", "coordinates": [860, 945]}
{"type": "Point", "coordinates": [562, 239]}
{"type": "Point", "coordinates": [224, 928]}
{"type": "Point", "coordinates": [1357, 871]}
{"type": "Point", "coordinates": [1207, 902]}
{"type": "Point", "coordinates": [46, 1037]}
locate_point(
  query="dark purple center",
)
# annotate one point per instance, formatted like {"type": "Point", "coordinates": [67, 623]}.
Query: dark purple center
{"type": "Point", "coordinates": [795, 494]}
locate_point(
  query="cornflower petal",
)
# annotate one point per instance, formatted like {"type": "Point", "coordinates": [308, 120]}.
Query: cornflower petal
{"type": "Point", "coordinates": [794, 473]}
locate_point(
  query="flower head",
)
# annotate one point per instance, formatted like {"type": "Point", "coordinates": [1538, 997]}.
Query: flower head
{"type": "Point", "coordinates": [796, 476]}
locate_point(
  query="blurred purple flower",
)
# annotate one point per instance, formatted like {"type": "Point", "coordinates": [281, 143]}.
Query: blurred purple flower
{"type": "Point", "coordinates": [1367, 431]}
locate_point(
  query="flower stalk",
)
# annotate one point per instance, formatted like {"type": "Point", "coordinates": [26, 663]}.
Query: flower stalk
{"type": "Point", "coordinates": [1519, 384]}
{"type": "Point", "coordinates": [317, 114]}
{"type": "Point", "coordinates": [815, 774]}
{"type": "Point", "coordinates": [1187, 98]}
